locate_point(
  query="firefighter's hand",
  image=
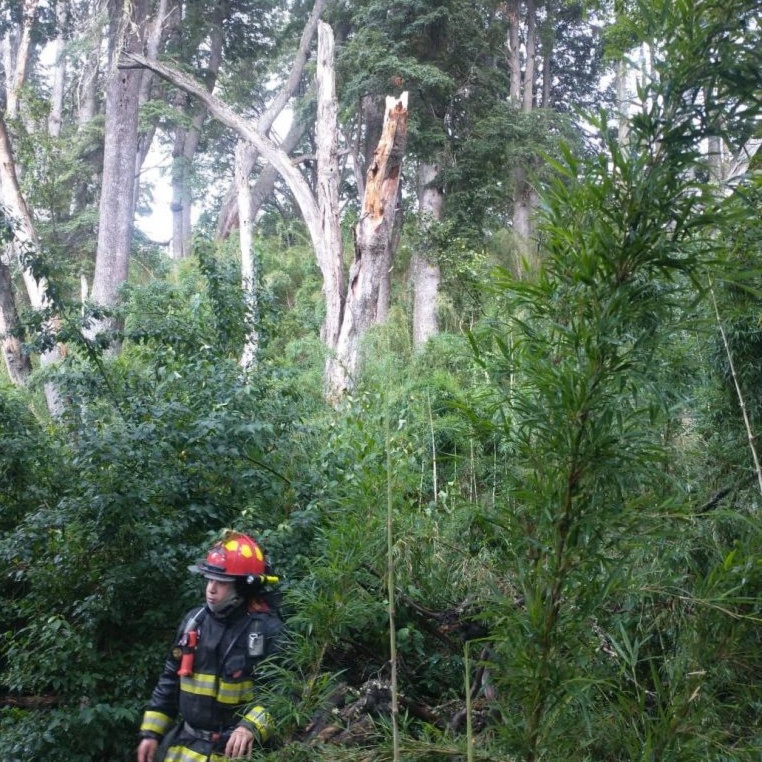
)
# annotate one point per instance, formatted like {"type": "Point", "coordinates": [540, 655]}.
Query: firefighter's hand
{"type": "Point", "coordinates": [147, 749]}
{"type": "Point", "coordinates": [240, 742]}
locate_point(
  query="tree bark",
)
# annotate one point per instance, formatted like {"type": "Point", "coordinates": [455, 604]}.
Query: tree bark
{"type": "Point", "coordinates": [117, 206]}
{"type": "Point", "coordinates": [16, 70]}
{"type": "Point", "coordinates": [18, 364]}
{"type": "Point", "coordinates": [513, 45]}
{"type": "Point", "coordinates": [328, 186]}
{"type": "Point", "coordinates": [373, 248]}
{"type": "Point", "coordinates": [59, 71]}
{"type": "Point", "coordinates": [531, 55]}
{"type": "Point", "coordinates": [26, 234]}
{"type": "Point", "coordinates": [248, 260]}
{"type": "Point", "coordinates": [426, 274]}
{"type": "Point", "coordinates": [12, 198]}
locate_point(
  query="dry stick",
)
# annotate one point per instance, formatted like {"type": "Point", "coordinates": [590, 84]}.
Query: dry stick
{"type": "Point", "coordinates": [390, 587]}
{"type": "Point", "coordinates": [724, 492]}
{"type": "Point", "coordinates": [749, 434]}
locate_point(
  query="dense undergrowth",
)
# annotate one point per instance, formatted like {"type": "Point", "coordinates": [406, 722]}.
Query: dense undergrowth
{"type": "Point", "coordinates": [574, 508]}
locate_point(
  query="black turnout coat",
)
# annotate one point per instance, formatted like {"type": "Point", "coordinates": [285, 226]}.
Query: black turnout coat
{"type": "Point", "coordinates": [202, 708]}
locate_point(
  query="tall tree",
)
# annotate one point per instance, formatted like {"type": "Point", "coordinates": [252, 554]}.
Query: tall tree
{"type": "Point", "coordinates": [426, 272]}
{"type": "Point", "coordinates": [127, 21]}
{"type": "Point", "coordinates": [26, 245]}
{"type": "Point", "coordinates": [274, 109]}
{"type": "Point", "coordinates": [522, 97]}
{"type": "Point", "coordinates": [17, 362]}
{"type": "Point", "coordinates": [17, 48]}
{"type": "Point", "coordinates": [468, 67]}
{"type": "Point", "coordinates": [326, 134]}
{"type": "Point", "coordinates": [188, 127]}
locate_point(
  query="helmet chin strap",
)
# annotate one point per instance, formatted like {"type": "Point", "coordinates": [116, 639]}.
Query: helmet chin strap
{"type": "Point", "coordinates": [222, 608]}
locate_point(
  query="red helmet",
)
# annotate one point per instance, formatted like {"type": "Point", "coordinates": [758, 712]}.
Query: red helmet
{"type": "Point", "coordinates": [235, 556]}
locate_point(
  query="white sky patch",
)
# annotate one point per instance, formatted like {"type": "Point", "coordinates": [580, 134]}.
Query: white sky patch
{"type": "Point", "coordinates": [157, 225]}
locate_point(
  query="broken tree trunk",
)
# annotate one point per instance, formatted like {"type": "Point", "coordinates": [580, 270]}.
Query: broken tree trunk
{"type": "Point", "coordinates": [367, 300]}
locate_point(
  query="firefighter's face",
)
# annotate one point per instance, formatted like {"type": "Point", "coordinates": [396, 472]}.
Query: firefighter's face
{"type": "Point", "coordinates": [218, 592]}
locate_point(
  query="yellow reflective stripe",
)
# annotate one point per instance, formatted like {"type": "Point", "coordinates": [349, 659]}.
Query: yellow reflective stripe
{"type": "Point", "coordinates": [155, 722]}
{"type": "Point", "coordinates": [235, 693]}
{"type": "Point", "coordinates": [182, 754]}
{"type": "Point", "coordinates": [225, 692]}
{"type": "Point", "coordinates": [260, 718]}
{"type": "Point", "coordinates": [199, 685]}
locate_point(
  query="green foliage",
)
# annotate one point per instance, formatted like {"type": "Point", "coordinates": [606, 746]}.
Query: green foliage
{"type": "Point", "coordinates": [158, 448]}
{"type": "Point", "coordinates": [596, 623]}
{"type": "Point", "coordinates": [28, 460]}
{"type": "Point", "coordinates": [556, 494]}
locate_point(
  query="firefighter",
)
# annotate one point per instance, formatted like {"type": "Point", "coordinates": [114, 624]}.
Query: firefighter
{"type": "Point", "coordinates": [205, 705]}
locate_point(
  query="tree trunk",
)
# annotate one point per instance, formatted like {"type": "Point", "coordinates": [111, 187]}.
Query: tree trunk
{"type": "Point", "coordinates": [278, 158]}
{"type": "Point", "coordinates": [87, 97]}
{"type": "Point", "coordinates": [226, 220]}
{"type": "Point", "coordinates": [513, 44]}
{"type": "Point", "coordinates": [373, 247]}
{"type": "Point", "coordinates": [326, 129]}
{"type": "Point", "coordinates": [248, 261]}
{"type": "Point", "coordinates": [186, 145]}
{"type": "Point", "coordinates": [59, 72]}
{"type": "Point", "coordinates": [715, 159]}
{"type": "Point", "coordinates": [18, 364]}
{"type": "Point", "coordinates": [547, 37]}
{"type": "Point", "coordinates": [426, 274]}
{"type": "Point", "coordinates": [623, 102]}
{"type": "Point", "coordinates": [26, 234]}
{"type": "Point", "coordinates": [163, 19]}
{"type": "Point", "coordinates": [531, 47]}
{"type": "Point", "coordinates": [372, 110]}
{"type": "Point", "coordinates": [12, 198]}
{"type": "Point", "coordinates": [16, 70]}
{"type": "Point", "coordinates": [117, 206]}
{"type": "Point", "coordinates": [522, 95]}
{"type": "Point", "coordinates": [524, 204]}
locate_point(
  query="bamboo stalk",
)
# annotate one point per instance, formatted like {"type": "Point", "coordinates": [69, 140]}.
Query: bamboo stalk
{"type": "Point", "coordinates": [390, 594]}
{"type": "Point", "coordinates": [747, 424]}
